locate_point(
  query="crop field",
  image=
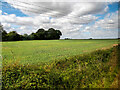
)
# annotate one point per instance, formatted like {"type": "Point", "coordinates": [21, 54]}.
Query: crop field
{"type": "Point", "coordinates": [38, 51]}
{"type": "Point", "coordinates": [57, 64]}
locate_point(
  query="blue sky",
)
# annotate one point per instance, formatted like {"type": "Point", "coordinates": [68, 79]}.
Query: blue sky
{"type": "Point", "coordinates": [112, 8]}
{"type": "Point", "coordinates": [7, 8]}
{"type": "Point", "coordinates": [96, 16]}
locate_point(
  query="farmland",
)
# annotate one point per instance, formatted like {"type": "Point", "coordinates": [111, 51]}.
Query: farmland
{"type": "Point", "coordinates": [38, 51]}
{"type": "Point", "coordinates": [57, 64]}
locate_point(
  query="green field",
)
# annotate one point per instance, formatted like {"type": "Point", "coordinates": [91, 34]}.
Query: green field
{"type": "Point", "coordinates": [38, 51]}
{"type": "Point", "coordinates": [70, 64]}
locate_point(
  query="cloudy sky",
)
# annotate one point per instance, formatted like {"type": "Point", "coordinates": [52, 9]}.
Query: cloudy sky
{"type": "Point", "coordinates": [75, 20]}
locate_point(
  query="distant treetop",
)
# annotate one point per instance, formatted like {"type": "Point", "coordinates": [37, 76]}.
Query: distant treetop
{"type": "Point", "coordinates": [41, 34]}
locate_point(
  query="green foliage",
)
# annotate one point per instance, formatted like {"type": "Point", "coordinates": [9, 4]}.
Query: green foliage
{"type": "Point", "coordinates": [41, 34]}
{"type": "Point", "coordinates": [91, 70]}
{"type": "Point", "coordinates": [25, 37]}
{"type": "Point", "coordinates": [4, 36]}
{"type": "Point", "coordinates": [13, 36]}
{"type": "Point", "coordinates": [3, 33]}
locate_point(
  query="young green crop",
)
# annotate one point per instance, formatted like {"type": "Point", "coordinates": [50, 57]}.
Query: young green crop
{"type": "Point", "coordinates": [38, 51]}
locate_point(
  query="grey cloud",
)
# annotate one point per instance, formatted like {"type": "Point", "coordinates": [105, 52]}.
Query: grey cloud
{"type": "Point", "coordinates": [68, 17]}
{"type": "Point", "coordinates": [61, 8]}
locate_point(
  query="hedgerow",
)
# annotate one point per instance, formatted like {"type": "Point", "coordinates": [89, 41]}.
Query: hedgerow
{"type": "Point", "coordinates": [93, 70]}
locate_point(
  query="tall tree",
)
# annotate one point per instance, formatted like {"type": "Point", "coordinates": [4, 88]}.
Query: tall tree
{"type": "Point", "coordinates": [40, 34]}
{"type": "Point", "coordinates": [32, 36]}
{"type": "Point", "coordinates": [3, 34]}
{"type": "Point", "coordinates": [54, 34]}
{"type": "Point", "coordinates": [51, 33]}
{"type": "Point", "coordinates": [13, 36]}
{"type": "Point", "coordinates": [25, 37]}
{"type": "Point", "coordinates": [1, 28]}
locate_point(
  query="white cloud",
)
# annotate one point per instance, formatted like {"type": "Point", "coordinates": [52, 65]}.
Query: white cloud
{"type": "Point", "coordinates": [109, 22]}
{"type": "Point", "coordinates": [70, 18]}
{"type": "Point", "coordinates": [87, 29]}
{"type": "Point", "coordinates": [110, 1]}
{"type": "Point", "coordinates": [58, 9]}
{"type": "Point", "coordinates": [0, 12]}
{"type": "Point", "coordinates": [106, 9]}
{"type": "Point", "coordinates": [8, 18]}
{"type": "Point", "coordinates": [23, 27]}
{"type": "Point", "coordinates": [104, 28]}
{"type": "Point", "coordinates": [12, 18]}
{"type": "Point", "coordinates": [6, 26]}
{"type": "Point", "coordinates": [104, 33]}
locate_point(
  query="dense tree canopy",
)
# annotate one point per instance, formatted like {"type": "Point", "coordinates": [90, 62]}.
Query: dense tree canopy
{"type": "Point", "coordinates": [3, 33]}
{"type": "Point", "coordinates": [13, 36]}
{"type": "Point", "coordinates": [41, 34]}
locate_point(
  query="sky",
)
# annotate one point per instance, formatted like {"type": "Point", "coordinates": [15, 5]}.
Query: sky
{"type": "Point", "coordinates": [76, 20]}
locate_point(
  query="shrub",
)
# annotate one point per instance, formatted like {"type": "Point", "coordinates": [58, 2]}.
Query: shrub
{"type": "Point", "coordinates": [82, 71]}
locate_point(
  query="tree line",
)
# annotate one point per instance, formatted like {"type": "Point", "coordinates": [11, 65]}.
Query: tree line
{"type": "Point", "coordinates": [41, 34]}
